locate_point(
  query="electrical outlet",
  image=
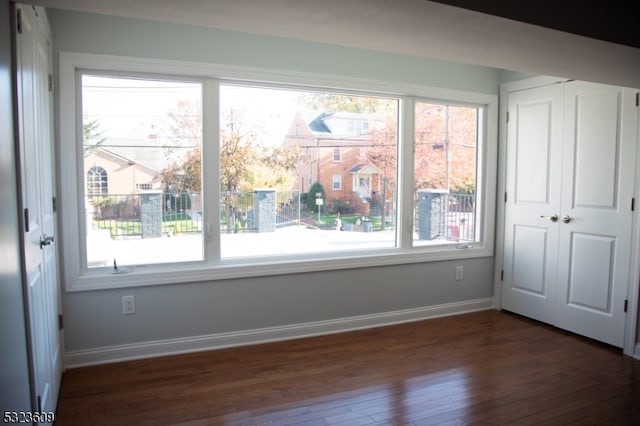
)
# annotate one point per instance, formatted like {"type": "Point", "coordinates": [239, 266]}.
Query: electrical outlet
{"type": "Point", "coordinates": [128, 305]}
{"type": "Point", "coordinates": [459, 273]}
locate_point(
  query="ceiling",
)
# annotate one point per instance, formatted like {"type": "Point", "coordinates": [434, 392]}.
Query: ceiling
{"type": "Point", "coordinates": [424, 29]}
{"type": "Point", "coordinates": [615, 21]}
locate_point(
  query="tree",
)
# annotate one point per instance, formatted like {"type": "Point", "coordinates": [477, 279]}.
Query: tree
{"type": "Point", "coordinates": [92, 136]}
{"type": "Point", "coordinates": [333, 102]}
{"type": "Point", "coordinates": [312, 196]}
{"type": "Point", "coordinates": [184, 175]}
{"type": "Point", "coordinates": [244, 164]}
{"type": "Point", "coordinates": [185, 128]}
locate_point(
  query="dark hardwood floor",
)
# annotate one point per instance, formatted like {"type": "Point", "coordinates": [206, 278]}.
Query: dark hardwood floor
{"type": "Point", "coordinates": [488, 367]}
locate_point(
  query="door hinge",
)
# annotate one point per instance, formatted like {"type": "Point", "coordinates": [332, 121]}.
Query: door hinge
{"type": "Point", "coordinates": [502, 275]}
{"type": "Point", "coordinates": [60, 322]}
{"type": "Point", "coordinates": [51, 82]}
{"type": "Point", "coordinates": [19, 21]}
{"type": "Point", "coordinates": [54, 203]}
{"type": "Point", "coordinates": [505, 197]}
{"type": "Point", "coordinates": [637, 98]}
{"type": "Point", "coordinates": [633, 203]}
{"type": "Point", "coordinates": [26, 220]}
{"type": "Point", "coordinates": [507, 116]}
{"type": "Point", "coordinates": [626, 304]}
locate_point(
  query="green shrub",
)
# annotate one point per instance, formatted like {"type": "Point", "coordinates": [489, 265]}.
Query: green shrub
{"type": "Point", "coordinates": [341, 206]}
{"type": "Point", "coordinates": [311, 197]}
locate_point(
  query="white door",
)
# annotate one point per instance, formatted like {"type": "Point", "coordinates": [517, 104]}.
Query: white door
{"type": "Point", "coordinates": [534, 133]}
{"type": "Point", "coordinates": [598, 185]}
{"type": "Point", "coordinates": [33, 58]}
{"type": "Point", "coordinates": [570, 179]}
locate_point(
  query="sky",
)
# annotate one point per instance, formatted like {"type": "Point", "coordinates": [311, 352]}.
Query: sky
{"type": "Point", "coordinates": [132, 109]}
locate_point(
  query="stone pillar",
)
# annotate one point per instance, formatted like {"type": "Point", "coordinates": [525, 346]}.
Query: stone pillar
{"type": "Point", "coordinates": [151, 214]}
{"type": "Point", "coordinates": [264, 209]}
{"type": "Point", "coordinates": [432, 213]}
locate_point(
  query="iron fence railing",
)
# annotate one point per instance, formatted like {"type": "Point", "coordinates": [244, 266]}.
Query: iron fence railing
{"type": "Point", "coordinates": [121, 214]}
{"type": "Point", "coordinates": [452, 219]}
{"type": "Point", "coordinates": [236, 210]}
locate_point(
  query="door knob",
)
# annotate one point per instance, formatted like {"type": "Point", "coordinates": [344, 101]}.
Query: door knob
{"type": "Point", "coordinates": [45, 240]}
{"type": "Point", "coordinates": [552, 218]}
{"type": "Point", "coordinates": [566, 218]}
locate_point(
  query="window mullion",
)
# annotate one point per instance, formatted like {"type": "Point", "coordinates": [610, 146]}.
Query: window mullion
{"type": "Point", "coordinates": [211, 169]}
{"type": "Point", "coordinates": [406, 152]}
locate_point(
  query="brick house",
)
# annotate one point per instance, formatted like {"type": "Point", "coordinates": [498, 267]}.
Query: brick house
{"type": "Point", "coordinates": [334, 147]}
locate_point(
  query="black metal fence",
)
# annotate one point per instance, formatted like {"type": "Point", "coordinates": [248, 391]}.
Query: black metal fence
{"type": "Point", "coordinates": [236, 210]}
{"type": "Point", "coordinates": [452, 217]}
{"type": "Point", "coordinates": [120, 214]}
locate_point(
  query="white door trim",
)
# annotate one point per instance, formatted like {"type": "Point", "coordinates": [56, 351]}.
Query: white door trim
{"type": "Point", "coordinates": [630, 334]}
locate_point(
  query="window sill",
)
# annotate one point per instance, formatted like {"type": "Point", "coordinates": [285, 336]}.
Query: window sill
{"type": "Point", "coordinates": [140, 276]}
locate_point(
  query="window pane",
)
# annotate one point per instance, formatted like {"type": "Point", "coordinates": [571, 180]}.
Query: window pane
{"type": "Point", "coordinates": [445, 171]}
{"type": "Point", "coordinates": [305, 172]}
{"type": "Point", "coordinates": [142, 154]}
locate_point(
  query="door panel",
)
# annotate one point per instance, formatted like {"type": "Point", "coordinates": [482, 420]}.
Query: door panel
{"type": "Point", "coordinates": [33, 60]}
{"type": "Point", "coordinates": [591, 265]}
{"type": "Point", "coordinates": [533, 193]}
{"type": "Point", "coordinates": [530, 247]}
{"type": "Point", "coordinates": [595, 140]}
{"type": "Point", "coordinates": [599, 167]}
{"type": "Point", "coordinates": [532, 151]}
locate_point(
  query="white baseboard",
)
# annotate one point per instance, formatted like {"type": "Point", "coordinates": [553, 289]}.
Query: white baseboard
{"type": "Point", "coordinates": [104, 355]}
{"type": "Point", "coordinates": [636, 352]}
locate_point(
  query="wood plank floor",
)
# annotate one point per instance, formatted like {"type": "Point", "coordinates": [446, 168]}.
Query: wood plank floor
{"type": "Point", "coordinates": [488, 367]}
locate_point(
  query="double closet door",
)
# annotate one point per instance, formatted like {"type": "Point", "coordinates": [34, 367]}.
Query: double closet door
{"type": "Point", "coordinates": [571, 150]}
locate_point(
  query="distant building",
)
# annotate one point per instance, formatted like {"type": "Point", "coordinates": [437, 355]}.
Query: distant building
{"type": "Point", "coordinates": [335, 154]}
{"type": "Point", "coordinates": [110, 173]}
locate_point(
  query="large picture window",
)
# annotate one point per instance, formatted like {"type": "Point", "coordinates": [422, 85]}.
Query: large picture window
{"type": "Point", "coordinates": [141, 130]}
{"type": "Point", "coordinates": [188, 178]}
{"type": "Point", "coordinates": [274, 141]}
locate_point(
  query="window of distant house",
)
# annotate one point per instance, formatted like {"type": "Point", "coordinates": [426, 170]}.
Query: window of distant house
{"type": "Point", "coordinates": [189, 178]}
{"type": "Point", "coordinates": [145, 129]}
{"type": "Point", "coordinates": [337, 182]}
{"type": "Point", "coordinates": [357, 126]}
{"type": "Point", "coordinates": [97, 181]}
{"type": "Point", "coordinates": [144, 186]}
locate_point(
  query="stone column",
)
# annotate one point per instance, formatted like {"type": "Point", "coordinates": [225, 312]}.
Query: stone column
{"type": "Point", "coordinates": [264, 209]}
{"type": "Point", "coordinates": [151, 214]}
{"type": "Point", "coordinates": [432, 213]}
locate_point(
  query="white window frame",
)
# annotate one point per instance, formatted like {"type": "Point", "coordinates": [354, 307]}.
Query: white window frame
{"type": "Point", "coordinates": [92, 173]}
{"type": "Point", "coordinates": [337, 158]}
{"type": "Point", "coordinates": [79, 278]}
{"type": "Point", "coordinates": [336, 179]}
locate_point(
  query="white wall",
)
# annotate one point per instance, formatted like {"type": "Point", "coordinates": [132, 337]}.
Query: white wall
{"type": "Point", "coordinates": [14, 370]}
{"type": "Point", "coordinates": [90, 33]}
{"type": "Point", "coordinates": [93, 320]}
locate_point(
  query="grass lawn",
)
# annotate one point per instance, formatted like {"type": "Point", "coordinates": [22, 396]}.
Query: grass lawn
{"type": "Point", "coordinates": [171, 223]}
